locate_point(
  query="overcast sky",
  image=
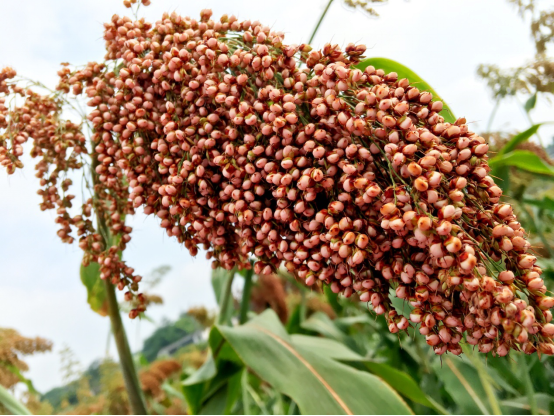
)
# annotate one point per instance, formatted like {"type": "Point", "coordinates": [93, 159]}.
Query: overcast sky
{"type": "Point", "coordinates": [40, 290]}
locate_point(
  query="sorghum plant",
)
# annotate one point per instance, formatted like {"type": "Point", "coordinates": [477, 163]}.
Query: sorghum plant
{"type": "Point", "coordinates": [245, 146]}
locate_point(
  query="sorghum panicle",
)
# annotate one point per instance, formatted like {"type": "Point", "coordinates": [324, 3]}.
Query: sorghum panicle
{"type": "Point", "coordinates": [243, 145]}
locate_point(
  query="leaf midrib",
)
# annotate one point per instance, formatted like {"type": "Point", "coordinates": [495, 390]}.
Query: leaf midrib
{"type": "Point", "coordinates": [310, 368]}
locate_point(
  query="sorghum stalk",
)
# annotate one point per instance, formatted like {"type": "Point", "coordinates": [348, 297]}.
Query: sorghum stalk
{"type": "Point", "coordinates": [226, 298]}
{"type": "Point", "coordinates": [132, 385]}
{"type": "Point", "coordinates": [126, 362]}
{"type": "Point", "coordinates": [246, 291]}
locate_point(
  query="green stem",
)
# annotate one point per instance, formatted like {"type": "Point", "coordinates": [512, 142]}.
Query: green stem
{"type": "Point", "coordinates": [485, 379]}
{"type": "Point", "coordinates": [245, 302]}
{"type": "Point", "coordinates": [422, 355]}
{"type": "Point", "coordinates": [493, 114]}
{"type": "Point", "coordinates": [303, 306]}
{"type": "Point", "coordinates": [245, 398]}
{"type": "Point", "coordinates": [438, 407]}
{"type": "Point", "coordinates": [225, 299]}
{"type": "Point", "coordinates": [320, 20]}
{"type": "Point", "coordinates": [529, 390]}
{"type": "Point", "coordinates": [13, 405]}
{"type": "Point", "coordinates": [130, 378]}
{"type": "Point", "coordinates": [134, 392]}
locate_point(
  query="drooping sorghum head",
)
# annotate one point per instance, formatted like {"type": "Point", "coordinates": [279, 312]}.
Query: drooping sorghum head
{"type": "Point", "coordinates": [245, 146]}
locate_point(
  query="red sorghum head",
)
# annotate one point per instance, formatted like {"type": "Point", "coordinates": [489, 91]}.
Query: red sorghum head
{"type": "Point", "coordinates": [347, 177]}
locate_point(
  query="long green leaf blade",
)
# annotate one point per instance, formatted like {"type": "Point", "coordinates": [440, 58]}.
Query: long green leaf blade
{"type": "Point", "coordinates": [318, 384]}
{"type": "Point", "coordinates": [462, 383]}
{"type": "Point", "coordinates": [523, 159]}
{"type": "Point", "coordinates": [544, 401]}
{"type": "Point", "coordinates": [321, 323]}
{"type": "Point", "coordinates": [325, 347]}
{"type": "Point", "coordinates": [402, 382]}
{"type": "Point", "coordinates": [13, 405]}
{"type": "Point", "coordinates": [519, 138]}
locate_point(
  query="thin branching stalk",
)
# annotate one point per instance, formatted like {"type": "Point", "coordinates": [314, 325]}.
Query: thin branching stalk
{"type": "Point", "coordinates": [126, 362]}
{"type": "Point", "coordinates": [529, 389]}
{"type": "Point", "coordinates": [225, 298]}
{"type": "Point", "coordinates": [130, 378]}
{"type": "Point", "coordinates": [245, 398]}
{"type": "Point", "coordinates": [493, 114]}
{"type": "Point", "coordinates": [319, 22]}
{"type": "Point", "coordinates": [246, 291]}
{"type": "Point", "coordinates": [467, 386]}
{"type": "Point", "coordinates": [485, 379]}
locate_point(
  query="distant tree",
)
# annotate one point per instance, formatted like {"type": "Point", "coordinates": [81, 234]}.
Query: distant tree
{"type": "Point", "coordinates": [167, 334]}
{"type": "Point", "coordinates": [69, 392]}
{"type": "Point", "coordinates": [532, 78]}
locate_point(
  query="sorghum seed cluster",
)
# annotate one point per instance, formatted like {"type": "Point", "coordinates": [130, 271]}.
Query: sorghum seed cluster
{"type": "Point", "coordinates": [243, 145]}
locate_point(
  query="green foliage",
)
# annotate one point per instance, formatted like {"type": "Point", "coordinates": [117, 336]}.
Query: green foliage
{"type": "Point", "coordinates": [13, 405]}
{"type": "Point", "coordinates": [401, 381]}
{"type": "Point", "coordinates": [545, 203]}
{"type": "Point", "coordinates": [462, 383]}
{"type": "Point", "coordinates": [17, 372]}
{"type": "Point", "coordinates": [57, 395]}
{"type": "Point", "coordinates": [522, 159]}
{"type": "Point", "coordinates": [96, 293]}
{"type": "Point", "coordinates": [221, 282]}
{"type": "Point", "coordinates": [316, 382]}
{"type": "Point", "coordinates": [68, 392]}
{"type": "Point", "coordinates": [530, 103]}
{"type": "Point", "coordinates": [167, 334]}
{"type": "Point", "coordinates": [519, 139]}
{"type": "Point", "coordinates": [528, 161]}
{"type": "Point", "coordinates": [388, 65]}
{"type": "Point", "coordinates": [472, 384]}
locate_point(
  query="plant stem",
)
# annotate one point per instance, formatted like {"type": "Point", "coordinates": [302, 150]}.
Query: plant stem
{"type": "Point", "coordinates": [422, 355]}
{"type": "Point", "coordinates": [125, 357]}
{"type": "Point", "coordinates": [320, 20]}
{"type": "Point", "coordinates": [134, 393]}
{"type": "Point", "coordinates": [225, 298]}
{"type": "Point", "coordinates": [493, 114]}
{"type": "Point", "coordinates": [485, 379]}
{"type": "Point", "coordinates": [303, 306]}
{"type": "Point", "coordinates": [529, 390]}
{"type": "Point", "coordinates": [438, 406]}
{"type": "Point", "coordinates": [245, 302]}
{"type": "Point", "coordinates": [13, 405]}
{"type": "Point", "coordinates": [467, 385]}
{"type": "Point", "coordinates": [245, 399]}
